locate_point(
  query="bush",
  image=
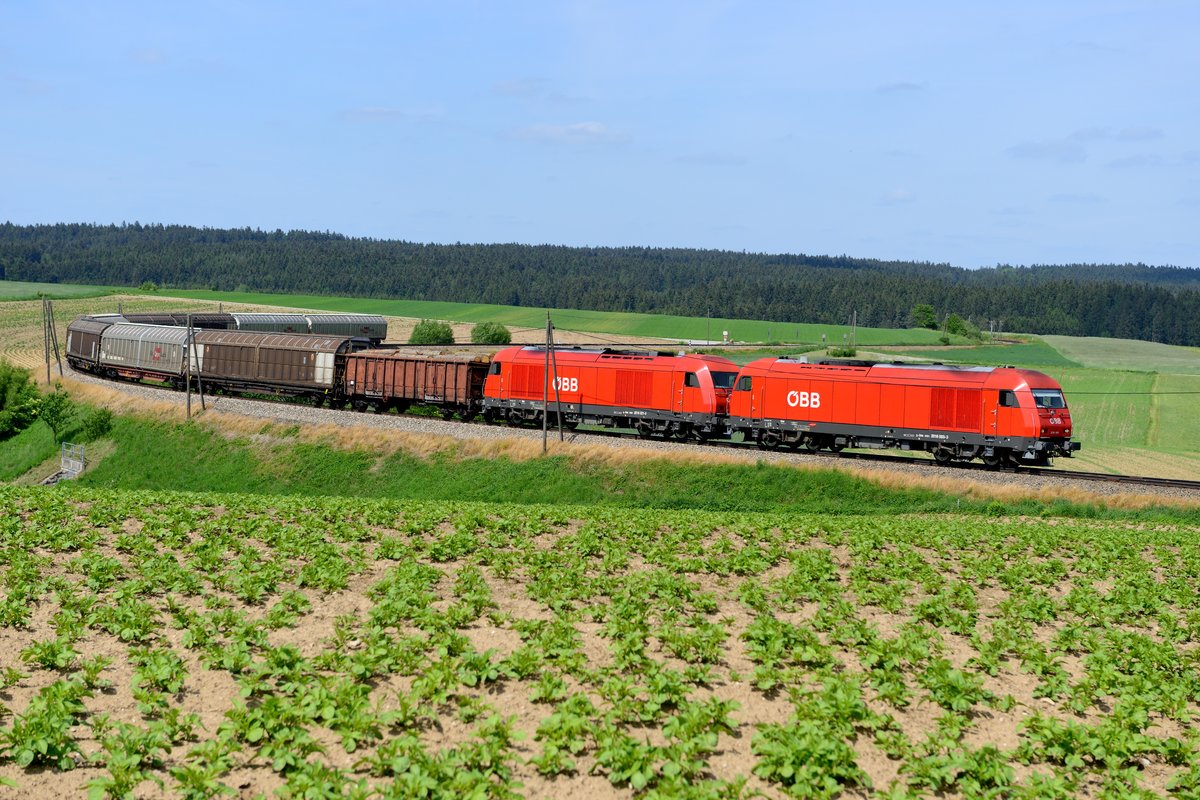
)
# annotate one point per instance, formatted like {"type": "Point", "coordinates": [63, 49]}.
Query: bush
{"type": "Point", "coordinates": [96, 425]}
{"type": "Point", "coordinates": [18, 399]}
{"type": "Point", "coordinates": [490, 333]}
{"type": "Point", "coordinates": [430, 331]}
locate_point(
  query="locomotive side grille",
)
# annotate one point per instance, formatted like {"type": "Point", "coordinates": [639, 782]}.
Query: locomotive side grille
{"type": "Point", "coordinates": [969, 414]}
{"type": "Point", "coordinates": [633, 388]}
{"type": "Point", "coordinates": [941, 409]}
{"type": "Point", "coordinates": [958, 409]}
{"type": "Point", "coordinates": [528, 380]}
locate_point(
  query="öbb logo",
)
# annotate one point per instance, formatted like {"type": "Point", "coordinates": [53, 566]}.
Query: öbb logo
{"type": "Point", "coordinates": [804, 399]}
{"type": "Point", "coordinates": [566, 384]}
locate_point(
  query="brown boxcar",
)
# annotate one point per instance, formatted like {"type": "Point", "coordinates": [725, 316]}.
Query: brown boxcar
{"type": "Point", "coordinates": [83, 341]}
{"type": "Point", "coordinates": [381, 379]}
{"type": "Point", "coordinates": [297, 364]}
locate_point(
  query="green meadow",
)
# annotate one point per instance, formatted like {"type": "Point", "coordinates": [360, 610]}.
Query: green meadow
{"type": "Point", "coordinates": [24, 290]}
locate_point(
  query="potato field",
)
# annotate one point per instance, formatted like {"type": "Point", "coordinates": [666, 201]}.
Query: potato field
{"type": "Point", "coordinates": [200, 646]}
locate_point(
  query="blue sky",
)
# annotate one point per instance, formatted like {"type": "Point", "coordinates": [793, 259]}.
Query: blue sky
{"type": "Point", "coordinates": [968, 133]}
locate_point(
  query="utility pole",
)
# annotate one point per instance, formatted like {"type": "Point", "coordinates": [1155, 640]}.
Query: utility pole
{"type": "Point", "coordinates": [54, 336]}
{"type": "Point", "coordinates": [551, 366]}
{"type": "Point", "coordinates": [187, 355]}
{"type": "Point", "coordinates": [46, 338]}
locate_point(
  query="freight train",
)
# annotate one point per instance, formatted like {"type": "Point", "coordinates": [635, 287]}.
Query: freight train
{"type": "Point", "coordinates": [999, 415]}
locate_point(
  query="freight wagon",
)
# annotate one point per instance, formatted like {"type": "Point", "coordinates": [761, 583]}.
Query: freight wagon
{"type": "Point", "coordinates": [399, 379]}
{"type": "Point", "coordinates": [367, 326]}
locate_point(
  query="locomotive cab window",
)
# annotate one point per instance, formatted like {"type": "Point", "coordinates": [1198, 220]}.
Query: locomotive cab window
{"type": "Point", "coordinates": [724, 380]}
{"type": "Point", "coordinates": [1048, 398]}
{"type": "Point", "coordinates": [691, 381]}
{"type": "Point", "coordinates": [743, 385]}
{"type": "Point", "coordinates": [1008, 399]}
{"type": "Point", "coordinates": [494, 369]}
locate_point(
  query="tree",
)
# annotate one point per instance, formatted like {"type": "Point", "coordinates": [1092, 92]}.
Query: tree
{"type": "Point", "coordinates": [923, 316]}
{"type": "Point", "coordinates": [18, 399]}
{"type": "Point", "coordinates": [56, 410]}
{"type": "Point", "coordinates": [431, 331]}
{"type": "Point", "coordinates": [490, 333]}
{"type": "Point", "coordinates": [957, 326]}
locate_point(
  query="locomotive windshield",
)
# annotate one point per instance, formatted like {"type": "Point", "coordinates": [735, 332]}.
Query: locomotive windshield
{"type": "Point", "coordinates": [1049, 398]}
{"type": "Point", "coordinates": [724, 380]}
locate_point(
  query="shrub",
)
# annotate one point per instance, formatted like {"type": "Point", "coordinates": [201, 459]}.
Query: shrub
{"type": "Point", "coordinates": [18, 399]}
{"type": "Point", "coordinates": [490, 333]}
{"type": "Point", "coordinates": [97, 425]}
{"type": "Point", "coordinates": [56, 410]}
{"type": "Point", "coordinates": [431, 331]}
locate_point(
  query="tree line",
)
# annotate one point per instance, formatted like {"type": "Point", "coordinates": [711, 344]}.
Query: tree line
{"type": "Point", "coordinates": [1134, 301]}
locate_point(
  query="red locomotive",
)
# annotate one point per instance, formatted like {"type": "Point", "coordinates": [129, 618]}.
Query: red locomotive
{"type": "Point", "coordinates": [658, 394]}
{"type": "Point", "coordinates": [998, 414]}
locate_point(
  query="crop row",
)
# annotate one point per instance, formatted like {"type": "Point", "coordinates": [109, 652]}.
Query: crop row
{"type": "Point", "coordinates": [211, 644]}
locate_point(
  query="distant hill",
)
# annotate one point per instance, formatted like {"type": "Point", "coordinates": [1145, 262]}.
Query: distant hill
{"type": "Point", "coordinates": [1129, 301]}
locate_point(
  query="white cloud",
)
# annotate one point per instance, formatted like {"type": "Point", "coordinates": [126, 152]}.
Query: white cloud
{"type": "Point", "coordinates": [1077, 199]}
{"type": "Point", "coordinates": [712, 160]}
{"type": "Point", "coordinates": [573, 133]}
{"type": "Point", "coordinates": [897, 197]}
{"type": "Point", "coordinates": [390, 113]}
{"type": "Point", "coordinates": [899, 87]}
{"type": "Point", "coordinates": [1060, 150]}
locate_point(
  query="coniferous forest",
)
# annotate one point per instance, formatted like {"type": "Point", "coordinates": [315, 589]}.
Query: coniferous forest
{"type": "Point", "coordinates": [1132, 301]}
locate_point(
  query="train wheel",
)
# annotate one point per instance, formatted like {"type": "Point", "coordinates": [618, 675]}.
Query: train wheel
{"type": "Point", "coordinates": [942, 456]}
{"type": "Point", "coordinates": [447, 414]}
{"type": "Point", "coordinates": [837, 448]}
{"type": "Point", "coordinates": [769, 440]}
{"type": "Point", "coordinates": [994, 460]}
{"type": "Point", "coordinates": [810, 444]}
{"type": "Point", "coordinates": [644, 429]}
{"type": "Point", "coordinates": [514, 418]}
{"type": "Point", "coordinates": [317, 400]}
{"type": "Point", "coordinates": [359, 405]}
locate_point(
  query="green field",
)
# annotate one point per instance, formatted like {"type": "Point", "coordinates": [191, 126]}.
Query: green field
{"type": "Point", "coordinates": [1127, 354]}
{"type": "Point", "coordinates": [1035, 354]}
{"type": "Point", "coordinates": [208, 645]}
{"type": "Point", "coordinates": [22, 290]}
{"type": "Point", "coordinates": [625, 324]}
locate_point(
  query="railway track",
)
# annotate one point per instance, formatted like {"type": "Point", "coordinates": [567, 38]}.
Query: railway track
{"type": "Point", "coordinates": [858, 455]}
{"type": "Point", "coordinates": [849, 455]}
